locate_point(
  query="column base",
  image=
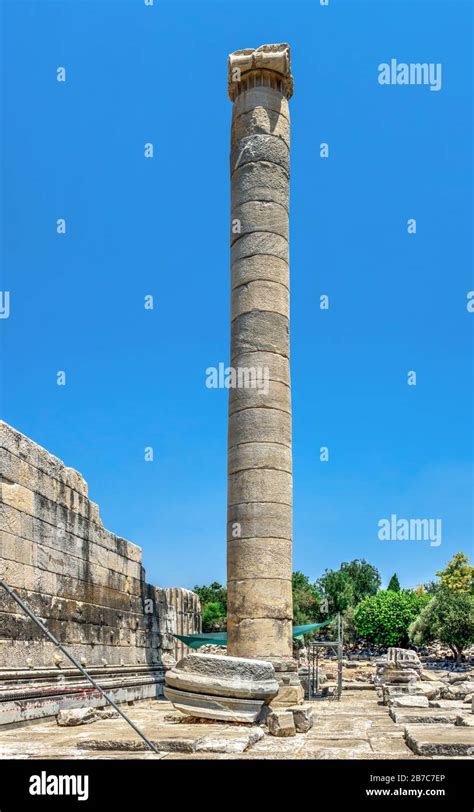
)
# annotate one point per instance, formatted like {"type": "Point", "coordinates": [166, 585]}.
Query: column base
{"type": "Point", "coordinates": [290, 689]}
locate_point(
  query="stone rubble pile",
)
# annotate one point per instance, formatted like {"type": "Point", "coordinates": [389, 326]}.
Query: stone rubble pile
{"type": "Point", "coordinates": [403, 682]}
{"type": "Point", "coordinates": [400, 666]}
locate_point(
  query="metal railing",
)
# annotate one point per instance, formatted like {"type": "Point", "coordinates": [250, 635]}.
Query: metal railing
{"type": "Point", "coordinates": [313, 661]}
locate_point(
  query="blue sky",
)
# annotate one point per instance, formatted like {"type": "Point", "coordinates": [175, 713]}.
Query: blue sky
{"type": "Point", "coordinates": [136, 226]}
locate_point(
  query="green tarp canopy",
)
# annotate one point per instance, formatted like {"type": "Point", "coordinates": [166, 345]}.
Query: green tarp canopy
{"type": "Point", "coordinates": [220, 638]}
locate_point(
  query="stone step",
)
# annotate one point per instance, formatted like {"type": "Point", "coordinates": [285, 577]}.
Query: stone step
{"type": "Point", "coordinates": [424, 716]}
{"type": "Point", "coordinates": [440, 740]}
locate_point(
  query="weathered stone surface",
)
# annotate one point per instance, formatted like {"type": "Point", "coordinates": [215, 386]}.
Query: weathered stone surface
{"type": "Point", "coordinates": [236, 741]}
{"type": "Point", "coordinates": [247, 558]}
{"type": "Point", "coordinates": [432, 690]}
{"type": "Point", "coordinates": [260, 332]}
{"type": "Point", "coordinates": [408, 702]}
{"type": "Point", "coordinates": [210, 706]}
{"type": "Point", "coordinates": [30, 452]}
{"type": "Point", "coordinates": [189, 737]}
{"type": "Point", "coordinates": [261, 637]}
{"type": "Point", "coordinates": [259, 215]}
{"type": "Point", "coordinates": [259, 244]}
{"type": "Point", "coordinates": [260, 181]}
{"type": "Point", "coordinates": [260, 268]}
{"type": "Point", "coordinates": [260, 426]}
{"type": "Point", "coordinates": [458, 690]}
{"type": "Point", "coordinates": [78, 716]}
{"type": "Point", "coordinates": [288, 695]}
{"type": "Point", "coordinates": [259, 440]}
{"type": "Point", "coordinates": [262, 484]}
{"type": "Point", "coordinates": [281, 723]}
{"type": "Point", "coordinates": [430, 676]}
{"type": "Point", "coordinates": [266, 148]}
{"type": "Point", "coordinates": [423, 716]}
{"type": "Point", "coordinates": [463, 720]}
{"type": "Point", "coordinates": [259, 455]}
{"type": "Point", "coordinates": [256, 97]}
{"type": "Point", "coordinates": [260, 121]}
{"type": "Point", "coordinates": [84, 716]}
{"type": "Point", "coordinates": [86, 583]}
{"type": "Point", "coordinates": [249, 520]}
{"type": "Point", "coordinates": [274, 395]}
{"type": "Point", "coordinates": [260, 295]}
{"type": "Point", "coordinates": [262, 68]}
{"type": "Point", "coordinates": [447, 704]}
{"type": "Point", "coordinates": [440, 740]}
{"type": "Point", "coordinates": [400, 665]}
{"type": "Point", "coordinates": [464, 676]}
{"type": "Point", "coordinates": [224, 676]}
{"type": "Point", "coordinates": [260, 597]}
{"type": "Point", "coordinates": [302, 717]}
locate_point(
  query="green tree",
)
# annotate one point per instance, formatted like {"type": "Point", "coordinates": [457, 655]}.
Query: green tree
{"type": "Point", "coordinates": [431, 587]}
{"type": "Point", "coordinates": [337, 588]}
{"type": "Point", "coordinates": [458, 574]}
{"type": "Point", "coordinates": [214, 618]}
{"type": "Point", "coordinates": [213, 606]}
{"type": "Point", "coordinates": [448, 618]}
{"type": "Point", "coordinates": [394, 583]}
{"type": "Point", "coordinates": [306, 600]}
{"type": "Point", "coordinates": [349, 630]}
{"type": "Point", "coordinates": [365, 578]}
{"type": "Point", "coordinates": [347, 586]}
{"type": "Point", "coordinates": [384, 619]}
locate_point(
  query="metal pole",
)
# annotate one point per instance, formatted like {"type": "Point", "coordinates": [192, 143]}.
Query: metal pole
{"type": "Point", "coordinates": [76, 664]}
{"type": "Point", "coordinates": [317, 669]}
{"type": "Point", "coordinates": [339, 657]}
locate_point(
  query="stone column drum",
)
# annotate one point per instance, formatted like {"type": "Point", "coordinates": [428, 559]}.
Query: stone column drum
{"type": "Point", "coordinates": [259, 526]}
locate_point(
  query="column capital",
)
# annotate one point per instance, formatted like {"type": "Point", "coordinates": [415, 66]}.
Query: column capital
{"type": "Point", "coordinates": [267, 66]}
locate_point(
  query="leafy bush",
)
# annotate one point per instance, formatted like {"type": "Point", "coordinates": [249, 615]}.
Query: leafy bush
{"type": "Point", "coordinates": [384, 619]}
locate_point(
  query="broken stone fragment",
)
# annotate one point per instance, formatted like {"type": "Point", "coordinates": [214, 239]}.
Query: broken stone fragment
{"type": "Point", "coordinates": [281, 723]}
{"type": "Point", "coordinates": [464, 721]}
{"type": "Point", "coordinates": [84, 716]}
{"type": "Point", "coordinates": [458, 690]}
{"type": "Point", "coordinates": [302, 717]}
{"type": "Point", "coordinates": [409, 701]}
{"type": "Point", "coordinates": [460, 677]}
{"type": "Point", "coordinates": [430, 676]}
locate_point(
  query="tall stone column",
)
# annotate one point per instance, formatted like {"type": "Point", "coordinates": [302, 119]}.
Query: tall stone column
{"type": "Point", "coordinates": [259, 528]}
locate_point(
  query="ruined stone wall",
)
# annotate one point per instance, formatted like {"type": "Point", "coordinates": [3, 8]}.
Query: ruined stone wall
{"type": "Point", "coordinates": [85, 582]}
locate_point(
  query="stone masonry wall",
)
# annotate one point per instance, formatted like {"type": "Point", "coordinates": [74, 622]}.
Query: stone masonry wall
{"type": "Point", "coordinates": [85, 582]}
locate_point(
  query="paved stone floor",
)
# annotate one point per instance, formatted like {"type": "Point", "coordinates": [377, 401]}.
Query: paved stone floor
{"type": "Point", "coordinates": [357, 727]}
